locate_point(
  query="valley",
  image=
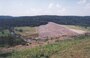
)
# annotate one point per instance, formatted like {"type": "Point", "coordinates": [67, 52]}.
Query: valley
{"type": "Point", "coordinates": [50, 40]}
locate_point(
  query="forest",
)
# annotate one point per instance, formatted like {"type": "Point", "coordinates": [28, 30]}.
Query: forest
{"type": "Point", "coordinates": [9, 21]}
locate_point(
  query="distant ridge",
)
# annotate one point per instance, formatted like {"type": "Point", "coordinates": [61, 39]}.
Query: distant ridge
{"type": "Point", "coordinates": [9, 21]}
{"type": "Point", "coordinates": [5, 17]}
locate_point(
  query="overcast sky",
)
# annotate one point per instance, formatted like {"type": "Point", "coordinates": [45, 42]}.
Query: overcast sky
{"type": "Point", "coordinates": [45, 7]}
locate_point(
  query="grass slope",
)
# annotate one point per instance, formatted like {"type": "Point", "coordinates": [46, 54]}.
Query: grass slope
{"type": "Point", "coordinates": [78, 47]}
{"type": "Point", "coordinates": [26, 31]}
{"type": "Point", "coordinates": [4, 33]}
{"type": "Point", "coordinates": [78, 27]}
{"type": "Point", "coordinates": [81, 50]}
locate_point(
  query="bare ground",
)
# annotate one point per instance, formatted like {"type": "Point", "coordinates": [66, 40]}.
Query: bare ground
{"type": "Point", "coordinates": [56, 30]}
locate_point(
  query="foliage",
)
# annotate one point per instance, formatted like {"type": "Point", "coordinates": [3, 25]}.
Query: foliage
{"type": "Point", "coordinates": [7, 22]}
{"type": "Point", "coordinates": [4, 32]}
{"type": "Point", "coordinates": [6, 41]}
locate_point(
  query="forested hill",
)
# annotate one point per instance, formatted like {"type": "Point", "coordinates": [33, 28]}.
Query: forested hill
{"type": "Point", "coordinates": [8, 21]}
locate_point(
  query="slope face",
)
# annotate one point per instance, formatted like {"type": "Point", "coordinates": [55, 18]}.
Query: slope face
{"type": "Point", "coordinates": [54, 30]}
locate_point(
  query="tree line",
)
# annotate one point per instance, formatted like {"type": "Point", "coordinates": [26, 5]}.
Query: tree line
{"type": "Point", "coordinates": [8, 21]}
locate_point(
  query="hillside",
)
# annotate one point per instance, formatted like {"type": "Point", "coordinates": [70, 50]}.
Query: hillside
{"type": "Point", "coordinates": [78, 47]}
{"type": "Point", "coordinates": [7, 21]}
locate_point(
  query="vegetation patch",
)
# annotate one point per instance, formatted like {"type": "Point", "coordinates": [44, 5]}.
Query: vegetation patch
{"type": "Point", "coordinates": [65, 48]}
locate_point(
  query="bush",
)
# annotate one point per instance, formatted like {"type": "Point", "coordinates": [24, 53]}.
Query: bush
{"type": "Point", "coordinates": [10, 41]}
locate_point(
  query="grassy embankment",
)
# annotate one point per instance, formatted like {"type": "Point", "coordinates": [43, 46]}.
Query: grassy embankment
{"type": "Point", "coordinates": [78, 27]}
{"type": "Point", "coordinates": [78, 47]}
{"type": "Point", "coordinates": [26, 31]}
{"type": "Point", "coordinates": [4, 33]}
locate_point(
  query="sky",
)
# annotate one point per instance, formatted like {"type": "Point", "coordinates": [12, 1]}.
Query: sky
{"type": "Point", "coordinates": [45, 7]}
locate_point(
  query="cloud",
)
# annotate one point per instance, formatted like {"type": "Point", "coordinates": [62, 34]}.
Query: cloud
{"type": "Point", "coordinates": [54, 5]}
{"type": "Point", "coordinates": [51, 9]}
{"type": "Point", "coordinates": [83, 7]}
{"type": "Point", "coordinates": [87, 6]}
{"type": "Point", "coordinates": [50, 5]}
{"type": "Point", "coordinates": [55, 8]}
{"type": "Point", "coordinates": [82, 1]}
